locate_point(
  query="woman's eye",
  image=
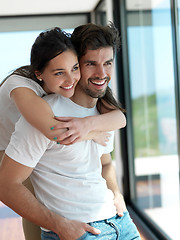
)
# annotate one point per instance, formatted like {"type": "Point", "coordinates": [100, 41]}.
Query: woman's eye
{"type": "Point", "coordinates": [76, 68]}
{"type": "Point", "coordinates": [59, 73]}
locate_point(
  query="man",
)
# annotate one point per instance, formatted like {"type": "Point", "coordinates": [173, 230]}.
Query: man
{"type": "Point", "coordinates": [74, 200]}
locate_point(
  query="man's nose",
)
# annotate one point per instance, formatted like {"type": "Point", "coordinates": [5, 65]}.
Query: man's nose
{"type": "Point", "coordinates": [100, 72]}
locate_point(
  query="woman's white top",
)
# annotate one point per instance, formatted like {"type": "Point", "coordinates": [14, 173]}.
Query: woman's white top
{"type": "Point", "coordinates": [9, 114]}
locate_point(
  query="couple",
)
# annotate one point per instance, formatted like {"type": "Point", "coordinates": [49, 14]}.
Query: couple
{"type": "Point", "coordinates": [77, 196]}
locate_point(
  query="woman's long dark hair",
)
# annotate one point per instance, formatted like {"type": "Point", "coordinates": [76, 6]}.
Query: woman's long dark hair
{"type": "Point", "coordinates": [47, 45]}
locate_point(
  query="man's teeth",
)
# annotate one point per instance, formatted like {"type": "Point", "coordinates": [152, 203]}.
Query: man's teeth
{"type": "Point", "coordinates": [68, 87]}
{"type": "Point", "coordinates": [99, 82]}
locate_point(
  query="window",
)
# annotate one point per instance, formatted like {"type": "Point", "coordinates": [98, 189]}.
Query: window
{"type": "Point", "coordinates": [15, 50]}
{"type": "Point", "coordinates": [17, 34]}
{"type": "Point", "coordinates": [152, 130]}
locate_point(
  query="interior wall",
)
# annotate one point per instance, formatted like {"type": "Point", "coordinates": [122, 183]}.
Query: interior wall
{"type": "Point", "coordinates": [28, 23]}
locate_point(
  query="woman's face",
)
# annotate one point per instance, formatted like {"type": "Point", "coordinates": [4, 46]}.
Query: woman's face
{"type": "Point", "coordinates": [61, 74]}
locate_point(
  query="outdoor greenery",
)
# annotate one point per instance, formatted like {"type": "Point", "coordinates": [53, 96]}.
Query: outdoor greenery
{"type": "Point", "coordinates": [145, 125]}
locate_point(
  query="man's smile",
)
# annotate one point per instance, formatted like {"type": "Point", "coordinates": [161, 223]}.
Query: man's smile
{"type": "Point", "coordinates": [98, 82]}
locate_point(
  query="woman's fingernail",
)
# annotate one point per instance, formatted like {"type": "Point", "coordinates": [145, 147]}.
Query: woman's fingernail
{"type": "Point", "coordinates": [55, 138]}
{"type": "Point", "coordinates": [58, 142]}
{"type": "Point", "coordinates": [52, 128]}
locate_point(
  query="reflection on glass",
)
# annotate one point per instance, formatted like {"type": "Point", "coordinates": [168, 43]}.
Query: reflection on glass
{"type": "Point", "coordinates": [154, 112]}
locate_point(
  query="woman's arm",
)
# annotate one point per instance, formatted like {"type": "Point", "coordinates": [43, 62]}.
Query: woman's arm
{"type": "Point", "coordinates": [89, 127]}
{"type": "Point", "coordinates": [94, 127]}
{"type": "Point", "coordinates": [109, 121]}
{"type": "Point", "coordinates": [37, 112]}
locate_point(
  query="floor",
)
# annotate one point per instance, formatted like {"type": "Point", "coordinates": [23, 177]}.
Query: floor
{"type": "Point", "coordinates": [10, 222]}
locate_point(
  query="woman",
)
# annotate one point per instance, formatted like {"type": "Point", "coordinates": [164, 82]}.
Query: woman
{"type": "Point", "coordinates": [54, 69]}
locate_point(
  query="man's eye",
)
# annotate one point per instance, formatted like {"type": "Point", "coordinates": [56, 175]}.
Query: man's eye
{"type": "Point", "coordinates": [90, 64]}
{"type": "Point", "coordinates": [109, 63]}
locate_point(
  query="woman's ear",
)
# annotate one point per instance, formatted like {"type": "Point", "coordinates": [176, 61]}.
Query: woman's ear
{"type": "Point", "coordinates": [38, 75]}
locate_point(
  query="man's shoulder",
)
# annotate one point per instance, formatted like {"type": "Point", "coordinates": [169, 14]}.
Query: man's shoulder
{"type": "Point", "coordinates": [56, 102]}
{"type": "Point", "coordinates": [52, 98]}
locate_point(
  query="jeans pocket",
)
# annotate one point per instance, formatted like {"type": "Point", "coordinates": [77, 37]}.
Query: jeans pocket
{"type": "Point", "coordinates": [49, 235]}
{"type": "Point", "coordinates": [83, 236]}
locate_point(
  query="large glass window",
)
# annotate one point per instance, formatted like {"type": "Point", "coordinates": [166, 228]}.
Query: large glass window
{"type": "Point", "coordinates": [15, 50]}
{"type": "Point", "coordinates": [17, 34]}
{"type": "Point", "coordinates": [155, 177]}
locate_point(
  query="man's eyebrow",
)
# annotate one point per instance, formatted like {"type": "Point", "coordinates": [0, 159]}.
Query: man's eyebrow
{"type": "Point", "coordinates": [110, 60]}
{"type": "Point", "coordinates": [92, 61]}
{"type": "Point", "coordinates": [89, 61]}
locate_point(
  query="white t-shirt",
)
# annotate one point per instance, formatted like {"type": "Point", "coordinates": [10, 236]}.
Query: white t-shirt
{"type": "Point", "coordinates": [9, 114]}
{"type": "Point", "coordinates": [66, 179]}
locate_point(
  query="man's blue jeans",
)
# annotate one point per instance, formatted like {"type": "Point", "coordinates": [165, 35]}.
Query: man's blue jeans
{"type": "Point", "coordinates": [115, 228]}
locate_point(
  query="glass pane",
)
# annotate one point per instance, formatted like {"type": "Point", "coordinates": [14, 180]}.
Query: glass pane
{"type": "Point", "coordinates": [15, 48]}
{"type": "Point", "coordinates": [156, 171]}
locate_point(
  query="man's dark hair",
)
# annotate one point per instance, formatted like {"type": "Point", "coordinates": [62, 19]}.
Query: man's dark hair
{"type": "Point", "coordinates": [91, 37]}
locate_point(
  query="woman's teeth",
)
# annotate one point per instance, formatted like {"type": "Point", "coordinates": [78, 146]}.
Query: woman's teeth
{"type": "Point", "coordinates": [69, 87]}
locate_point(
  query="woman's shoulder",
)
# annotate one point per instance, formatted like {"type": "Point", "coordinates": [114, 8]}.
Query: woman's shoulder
{"type": "Point", "coordinates": [15, 81]}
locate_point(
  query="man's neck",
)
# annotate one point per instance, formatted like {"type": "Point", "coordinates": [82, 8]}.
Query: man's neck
{"type": "Point", "coordinates": [83, 99]}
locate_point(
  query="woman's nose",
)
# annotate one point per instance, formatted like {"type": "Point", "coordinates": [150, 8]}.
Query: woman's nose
{"type": "Point", "coordinates": [69, 79]}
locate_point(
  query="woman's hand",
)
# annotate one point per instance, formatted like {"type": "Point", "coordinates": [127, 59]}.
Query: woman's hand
{"type": "Point", "coordinates": [102, 138]}
{"type": "Point", "coordinates": [70, 130]}
{"type": "Point", "coordinates": [75, 129]}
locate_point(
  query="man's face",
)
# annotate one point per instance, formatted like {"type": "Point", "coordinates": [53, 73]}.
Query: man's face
{"type": "Point", "coordinates": [96, 69]}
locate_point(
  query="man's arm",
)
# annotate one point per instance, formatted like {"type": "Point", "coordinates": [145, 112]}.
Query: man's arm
{"type": "Point", "coordinates": [16, 196]}
{"type": "Point", "coordinates": [109, 174]}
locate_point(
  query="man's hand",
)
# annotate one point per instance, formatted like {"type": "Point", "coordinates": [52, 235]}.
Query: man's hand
{"type": "Point", "coordinates": [71, 229]}
{"type": "Point", "coordinates": [120, 204]}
